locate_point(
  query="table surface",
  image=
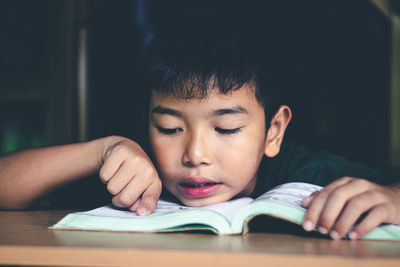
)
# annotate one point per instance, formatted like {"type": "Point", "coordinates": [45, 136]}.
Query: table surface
{"type": "Point", "coordinates": [26, 240]}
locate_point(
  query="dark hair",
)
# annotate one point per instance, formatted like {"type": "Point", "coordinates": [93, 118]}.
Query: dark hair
{"type": "Point", "coordinates": [197, 53]}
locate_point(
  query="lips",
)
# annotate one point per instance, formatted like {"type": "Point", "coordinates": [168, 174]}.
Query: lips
{"type": "Point", "coordinates": [198, 187]}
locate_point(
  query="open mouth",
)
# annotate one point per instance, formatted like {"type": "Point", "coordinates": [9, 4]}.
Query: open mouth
{"type": "Point", "coordinates": [195, 190]}
{"type": "Point", "coordinates": [197, 184]}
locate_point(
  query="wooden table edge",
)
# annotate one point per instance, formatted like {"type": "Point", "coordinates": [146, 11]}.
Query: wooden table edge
{"type": "Point", "coordinates": [82, 256]}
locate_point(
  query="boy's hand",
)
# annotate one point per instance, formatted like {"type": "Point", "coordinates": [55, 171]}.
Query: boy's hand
{"type": "Point", "coordinates": [130, 177]}
{"type": "Point", "coordinates": [337, 207]}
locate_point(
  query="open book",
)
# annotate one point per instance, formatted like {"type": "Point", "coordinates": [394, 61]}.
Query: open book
{"type": "Point", "coordinates": [231, 217]}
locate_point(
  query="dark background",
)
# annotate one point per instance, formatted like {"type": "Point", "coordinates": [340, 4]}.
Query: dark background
{"type": "Point", "coordinates": [333, 63]}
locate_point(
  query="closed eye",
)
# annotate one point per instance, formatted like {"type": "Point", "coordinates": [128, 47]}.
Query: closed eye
{"type": "Point", "coordinates": [168, 131]}
{"type": "Point", "coordinates": [228, 131]}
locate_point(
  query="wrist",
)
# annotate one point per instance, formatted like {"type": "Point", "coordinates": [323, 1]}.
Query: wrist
{"type": "Point", "coordinates": [105, 145]}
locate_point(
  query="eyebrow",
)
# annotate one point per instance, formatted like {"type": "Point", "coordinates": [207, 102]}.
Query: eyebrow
{"type": "Point", "coordinates": [232, 110]}
{"type": "Point", "coordinates": [219, 112]}
{"type": "Point", "coordinates": [166, 111]}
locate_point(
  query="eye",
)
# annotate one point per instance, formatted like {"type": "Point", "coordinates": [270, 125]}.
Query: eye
{"type": "Point", "coordinates": [168, 131]}
{"type": "Point", "coordinates": [228, 131]}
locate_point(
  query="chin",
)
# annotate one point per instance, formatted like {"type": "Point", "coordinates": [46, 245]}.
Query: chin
{"type": "Point", "coordinates": [200, 202]}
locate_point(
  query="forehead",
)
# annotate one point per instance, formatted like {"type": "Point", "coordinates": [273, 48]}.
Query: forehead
{"type": "Point", "coordinates": [243, 96]}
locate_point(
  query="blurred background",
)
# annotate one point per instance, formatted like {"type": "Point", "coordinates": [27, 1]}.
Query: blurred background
{"type": "Point", "coordinates": [70, 70]}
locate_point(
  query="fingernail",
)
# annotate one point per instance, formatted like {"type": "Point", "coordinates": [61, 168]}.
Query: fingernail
{"type": "Point", "coordinates": [322, 230]}
{"type": "Point", "coordinates": [142, 211]}
{"type": "Point", "coordinates": [308, 225]}
{"type": "Point", "coordinates": [334, 234]}
{"type": "Point", "coordinates": [353, 235]}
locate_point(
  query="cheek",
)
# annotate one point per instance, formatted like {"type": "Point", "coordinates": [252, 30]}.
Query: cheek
{"type": "Point", "coordinates": [241, 162]}
{"type": "Point", "coordinates": [245, 148]}
{"type": "Point", "coordinates": [241, 158]}
{"type": "Point", "coordinates": [164, 153]}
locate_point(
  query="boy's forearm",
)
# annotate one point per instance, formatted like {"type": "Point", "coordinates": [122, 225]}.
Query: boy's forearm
{"type": "Point", "coordinates": [27, 175]}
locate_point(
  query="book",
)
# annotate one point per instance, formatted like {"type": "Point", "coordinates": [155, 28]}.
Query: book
{"type": "Point", "coordinates": [230, 217]}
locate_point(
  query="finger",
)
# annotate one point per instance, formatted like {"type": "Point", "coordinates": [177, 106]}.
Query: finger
{"type": "Point", "coordinates": [336, 202]}
{"type": "Point", "coordinates": [135, 205]}
{"type": "Point", "coordinates": [355, 207]}
{"type": "Point", "coordinates": [110, 167]}
{"type": "Point", "coordinates": [149, 199]}
{"type": "Point", "coordinates": [375, 217]}
{"type": "Point", "coordinates": [131, 192]}
{"type": "Point", "coordinates": [317, 204]}
{"type": "Point", "coordinates": [307, 201]}
{"type": "Point", "coordinates": [121, 178]}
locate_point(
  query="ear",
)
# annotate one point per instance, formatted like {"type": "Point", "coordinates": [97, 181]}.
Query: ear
{"type": "Point", "coordinates": [276, 131]}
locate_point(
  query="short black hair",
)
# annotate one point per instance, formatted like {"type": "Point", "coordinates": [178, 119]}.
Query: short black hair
{"type": "Point", "coordinates": [202, 51]}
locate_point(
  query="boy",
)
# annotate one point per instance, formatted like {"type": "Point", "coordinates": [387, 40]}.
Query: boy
{"type": "Point", "coordinates": [216, 131]}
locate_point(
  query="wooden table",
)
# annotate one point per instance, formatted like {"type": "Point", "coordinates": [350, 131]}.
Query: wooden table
{"type": "Point", "coordinates": [25, 240]}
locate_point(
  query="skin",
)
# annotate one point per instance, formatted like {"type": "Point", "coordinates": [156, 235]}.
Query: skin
{"type": "Point", "coordinates": [27, 176]}
{"type": "Point", "coordinates": [338, 206]}
{"type": "Point", "coordinates": [194, 138]}
{"type": "Point", "coordinates": [198, 147]}
{"type": "Point", "coordinates": [130, 177]}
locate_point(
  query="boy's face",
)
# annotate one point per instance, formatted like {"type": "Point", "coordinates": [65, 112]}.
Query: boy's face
{"type": "Point", "coordinates": [208, 150]}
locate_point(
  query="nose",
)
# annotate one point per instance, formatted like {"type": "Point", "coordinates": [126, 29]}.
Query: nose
{"type": "Point", "coordinates": [197, 151]}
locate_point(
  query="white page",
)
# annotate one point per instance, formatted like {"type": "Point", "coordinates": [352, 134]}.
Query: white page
{"type": "Point", "coordinates": [162, 208]}
{"type": "Point", "coordinates": [227, 209]}
{"type": "Point", "coordinates": [290, 193]}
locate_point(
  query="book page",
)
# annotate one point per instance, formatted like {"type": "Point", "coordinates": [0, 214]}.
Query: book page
{"type": "Point", "coordinates": [290, 193]}
{"type": "Point", "coordinates": [163, 207]}
{"type": "Point", "coordinates": [227, 209]}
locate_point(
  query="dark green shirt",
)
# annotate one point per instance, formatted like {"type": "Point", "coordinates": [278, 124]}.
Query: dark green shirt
{"type": "Point", "coordinates": [296, 164]}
